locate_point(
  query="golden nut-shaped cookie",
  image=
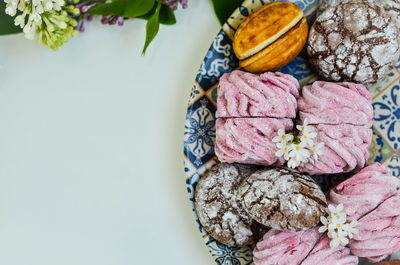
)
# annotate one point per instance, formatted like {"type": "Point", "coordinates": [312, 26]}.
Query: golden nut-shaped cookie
{"type": "Point", "coordinates": [271, 37]}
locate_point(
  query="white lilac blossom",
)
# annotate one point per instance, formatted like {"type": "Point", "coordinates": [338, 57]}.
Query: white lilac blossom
{"type": "Point", "coordinates": [298, 147]}
{"type": "Point", "coordinates": [336, 227]}
{"type": "Point", "coordinates": [48, 21]}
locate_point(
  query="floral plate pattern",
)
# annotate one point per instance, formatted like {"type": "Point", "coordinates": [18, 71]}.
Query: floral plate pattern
{"type": "Point", "coordinates": [199, 135]}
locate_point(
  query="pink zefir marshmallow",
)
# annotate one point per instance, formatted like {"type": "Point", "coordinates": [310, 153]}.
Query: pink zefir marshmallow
{"type": "Point", "coordinates": [285, 248]}
{"type": "Point", "coordinates": [345, 149]}
{"type": "Point", "coordinates": [322, 253]}
{"type": "Point", "coordinates": [242, 94]}
{"type": "Point", "coordinates": [379, 231]}
{"type": "Point", "coordinates": [364, 191]}
{"type": "Point", "coordinates": [336, 103]}
{"type": "Point", "coordinates": [249, 140]}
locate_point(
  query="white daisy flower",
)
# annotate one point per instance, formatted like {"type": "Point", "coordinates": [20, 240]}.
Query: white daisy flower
{"type": "Point", "coordinates": [336, 212]}
{"type": "Point", "coordinates": [300, 152]}
{"type": "Point", "coordinates": [304, 129]}
{"type": "Point", "coordinates": [283, 150]}
{"type": "Point", "coordinates": [338, 238]}
{"type": "Point", "coordinates": [293, 163]}
{"type": "Point", "coordinates": [326, 224]}
{"type": "Point", "coordinates": [336, 223]}
{"type": "Point", "coordinates": [350, 228]}
{"type": "Point", "coordinates": [338, 230]}
{"type": "Point", "coordinates": [282, 137]}
{"type": "Point", "coordinates": [304, 138]}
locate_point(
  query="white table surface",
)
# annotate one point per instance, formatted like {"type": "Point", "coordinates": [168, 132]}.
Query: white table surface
{"type": "Point", "coordinates": [91, 146]}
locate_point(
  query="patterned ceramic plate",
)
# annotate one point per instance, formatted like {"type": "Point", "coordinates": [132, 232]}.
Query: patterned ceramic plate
{"type": "Point", "coordinates": [199, 133]}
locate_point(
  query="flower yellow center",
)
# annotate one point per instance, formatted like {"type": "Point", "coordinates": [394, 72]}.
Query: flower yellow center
{"type": "Point", "coordinates": [335, 214]}
{"type": "Point", "coordinates": [338, 225]}
{"type": "Point", "coordinates": [305, 136]}
{"type": "Point", "coordinates": [285, 148]}
{"type": "Point", "coordinates": [297, 148]}
{"type": "Point", "coordinates": [302, 128]}
{"type": "Point", "coordinates": [337, 235]}
{"type": "Point", "coordinates": [283, 137]}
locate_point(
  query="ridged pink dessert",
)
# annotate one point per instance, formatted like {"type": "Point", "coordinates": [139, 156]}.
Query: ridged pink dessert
{"type": "Point", "coordinates": [336, 103]}
{"type": "Point", "coordinates": [295, 248]}
{"type": "Point", "coordinates": [285, 248]}
{"type": "Point", "coordinates": [372, 196]}
{"type": "Point", "coordinates": [345, 149]}
{"type": "Point", "coordinates": [322, 253]}
{"type": "Point", "coordinates": [379, 231]}
{"type": "Point", "coordinates": [242, 94]}
{"type": "Point", "coordinates": [363, 192]}
{"type": "Point", "coordinates": [249, 140]}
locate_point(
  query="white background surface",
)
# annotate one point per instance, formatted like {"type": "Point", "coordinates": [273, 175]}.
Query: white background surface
{"type": "Point", "coordinates": [91, 167]}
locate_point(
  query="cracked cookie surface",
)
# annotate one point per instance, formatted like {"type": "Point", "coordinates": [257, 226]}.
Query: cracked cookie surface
{"type": "Point", "coordinates": [219, 209]}
{"type": "Point", "coordinates": [283, 199]}
{"type": "Point", "coordinates": [354, 41]}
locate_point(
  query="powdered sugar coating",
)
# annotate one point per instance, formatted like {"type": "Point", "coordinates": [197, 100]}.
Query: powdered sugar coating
{"type": "Point", "coordinates": [379, 231]}
{"type": "Point", "coordinates": [336, 103]}
{"type": "Point", "coordinates": [355, 41]}
{"type": "Point", "coordinates": [242, 94]}
{"type": "Point", "coordinates": [346, 149]}
{"type": "Point", "coordinates": [391, 7]}
{"type": "Point", "coordinates": [364, 191]}
{"type": "Point", "coordinates": [283, 199]}
{"type": "Point", "coordinates": [285, 248]}
{"type": "Point", "coordinates": [218, 206]}
{"type": "Point", "coordinates": [322, 253]}
{"type": "Point", "coordinates": [249, 140]}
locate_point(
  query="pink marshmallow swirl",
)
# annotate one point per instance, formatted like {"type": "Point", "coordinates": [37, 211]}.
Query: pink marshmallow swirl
{"type": "Point", "coordinates": [285, 248]}
{"type": "Point", "coordinates": [249, 140]}
{"type": "Point", "coordinates": [364, 191]}
{"type": "Point", "coordinates": [336, 103]}
{"type": "Point", "coordinates": [379, 231]}
{"type": "Point", "coordinates": [345, 149]}
{"type": "Point", "coordinates": [322, 253]}
{"type": "Point", "coordinates": [242, 94]}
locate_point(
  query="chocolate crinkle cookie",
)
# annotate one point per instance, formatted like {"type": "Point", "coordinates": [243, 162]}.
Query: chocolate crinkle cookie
{"type": "Point", "coordinates": [391, 7]}
{"type": "Point", "coordinates": [219, 209]}
{"type": "Point", "coordinates": [354, 41]}
{"type": "Point", "coordinates": [283, 199]}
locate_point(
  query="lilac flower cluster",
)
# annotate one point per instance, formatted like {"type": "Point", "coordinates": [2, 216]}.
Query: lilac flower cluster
{"type": "Point", "coordinates": [174, 3]}
{"type": "Point", "coordinates": [113, 20]}
{"type": "Point", "coordinates": [84, 7]}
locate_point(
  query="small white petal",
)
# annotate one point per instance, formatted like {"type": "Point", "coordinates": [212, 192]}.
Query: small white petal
{"type": "Point", "coordinates": [344, 241]}
{"type": "Point", "coordinates": [322, 229]}
{"type": "Point", "coordinates": [334, 243]}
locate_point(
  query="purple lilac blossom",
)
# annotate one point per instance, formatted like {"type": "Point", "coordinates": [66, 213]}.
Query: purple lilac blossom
{"type": "Point", "coordinates": [174, 3]}
{"type": "Point", "coordinates": [112, 20]}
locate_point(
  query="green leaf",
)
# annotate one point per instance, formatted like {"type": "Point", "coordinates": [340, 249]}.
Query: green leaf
{"type": "Point", "coordinates": [167, 15]}
{"type": "Point", "coordinates": [224, 8]}
{"type": "Point", "coordinates": [152, 26]}
{"type": "Point", "coordinates": [7, 22]}
{"type": "Point", "coordinates": [123, 8]}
